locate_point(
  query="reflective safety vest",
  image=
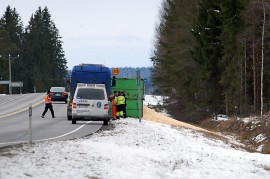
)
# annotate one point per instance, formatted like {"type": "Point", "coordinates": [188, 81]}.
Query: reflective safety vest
{"type": "Point", "coordinates": [48, 99]}
{"type": "Point", "coordinates": [120, 100]}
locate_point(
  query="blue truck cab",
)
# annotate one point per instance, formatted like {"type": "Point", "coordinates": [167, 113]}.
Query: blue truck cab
{"type": "Point", "coordinates": [89, 74]}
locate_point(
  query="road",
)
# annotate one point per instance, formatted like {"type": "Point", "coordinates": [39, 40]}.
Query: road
{"type": "Point", "coordinates": [14, 121]}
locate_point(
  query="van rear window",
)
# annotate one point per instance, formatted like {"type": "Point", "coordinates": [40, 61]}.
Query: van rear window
{"type": "Point", "coordinates": [90, 93]}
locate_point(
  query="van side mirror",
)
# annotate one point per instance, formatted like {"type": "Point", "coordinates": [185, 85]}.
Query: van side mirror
{"type": "Point", "coordinates": [113, 81]}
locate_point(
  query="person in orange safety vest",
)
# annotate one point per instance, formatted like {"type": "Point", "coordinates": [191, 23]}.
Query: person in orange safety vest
{"type": "Point", "coordinates": [48, 104]}
{"type": "Point", "coordinates": [113, 105]}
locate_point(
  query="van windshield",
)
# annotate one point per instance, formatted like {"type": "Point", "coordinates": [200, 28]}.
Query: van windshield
{"type": "Point", "coordinates": [90, 93]}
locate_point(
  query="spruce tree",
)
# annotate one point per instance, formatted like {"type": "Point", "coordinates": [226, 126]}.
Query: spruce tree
{"type": "Point", "coordinates": [44, 53]}
{"type": "Point", "coordinates": [232, 24]}
{"type": "Point", "coordinates": [11, 36]}
{"type": "Point", "coordinates": [207, 54]}
{"type": "Point", "coordinates": [173, 65]}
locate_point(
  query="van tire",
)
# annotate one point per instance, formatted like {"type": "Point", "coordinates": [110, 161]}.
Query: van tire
{"type": "Point", "coordinates": [74, 121]}
{"type": "Point", "coordinates": [105, 122]}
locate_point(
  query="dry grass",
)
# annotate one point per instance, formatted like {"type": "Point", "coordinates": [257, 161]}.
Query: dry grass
{"type": "Point", "coordinates": [253, 134]}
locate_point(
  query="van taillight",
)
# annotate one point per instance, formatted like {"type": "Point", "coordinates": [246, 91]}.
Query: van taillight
{"type": "Point", "coordinates": [106, 106]}
{"type": "Point", "coordinates": [74, 105]}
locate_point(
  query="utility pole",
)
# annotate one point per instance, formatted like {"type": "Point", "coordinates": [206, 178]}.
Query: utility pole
{"type": "Point", "coordinates": [9, 64]}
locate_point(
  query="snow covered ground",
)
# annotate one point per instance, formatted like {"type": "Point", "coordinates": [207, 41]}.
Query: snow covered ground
{"type": "Point", "coordinates": [153, 100]}
{"type": "Point", "coordinates": [134, 150]}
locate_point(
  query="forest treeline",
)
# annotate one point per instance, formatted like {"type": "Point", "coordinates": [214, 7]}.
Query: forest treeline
{"type": "Point", "coordinates": [41, 62]}
{"type": "Point", "coordinates": [213, 57]}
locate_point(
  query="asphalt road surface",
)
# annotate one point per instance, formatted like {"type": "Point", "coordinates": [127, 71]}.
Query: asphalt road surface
{"type": "Point", "coordinates": [15, 120]}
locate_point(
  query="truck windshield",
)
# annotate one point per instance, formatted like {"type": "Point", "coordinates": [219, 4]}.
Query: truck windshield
{"type": "Point", "coordinates": [90, 93]}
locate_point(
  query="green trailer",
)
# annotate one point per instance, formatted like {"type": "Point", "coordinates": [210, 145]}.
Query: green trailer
{"type": "Point", "coordinates": [130, 88]}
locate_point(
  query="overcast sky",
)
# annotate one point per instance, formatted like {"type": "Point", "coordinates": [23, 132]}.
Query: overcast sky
{"type": "Point", "coordinates": [117, 33]}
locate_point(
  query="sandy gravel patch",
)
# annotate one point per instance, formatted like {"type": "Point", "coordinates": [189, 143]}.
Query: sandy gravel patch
{"type": "Point", "coordinates": [152, 115]}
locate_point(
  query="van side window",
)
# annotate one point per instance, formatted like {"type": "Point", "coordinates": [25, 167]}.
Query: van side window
{"type": "Point", "coordinates": [92, 94]}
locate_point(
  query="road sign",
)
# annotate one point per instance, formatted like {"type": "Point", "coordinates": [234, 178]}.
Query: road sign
{"type": "Point", "coordinates": [17, 84]}
{"type": "Point", "coordinates": [115, 71]}
{"type": "Point", "coordinates": [4, 82]}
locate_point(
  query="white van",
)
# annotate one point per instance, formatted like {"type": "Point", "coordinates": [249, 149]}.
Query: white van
{"type": "Point", "coordinates": [90, 102]}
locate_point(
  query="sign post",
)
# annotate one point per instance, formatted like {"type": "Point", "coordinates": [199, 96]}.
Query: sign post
{"type": "Point", "coordinates": [139, 94]}
{"type": "Point", "coordinates": [30, 125]}
{"type": "Point", "coordinates": [115, 72]}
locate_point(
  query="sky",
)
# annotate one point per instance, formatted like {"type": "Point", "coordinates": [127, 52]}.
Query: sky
{"type": "Point", "coordinates": [116, 33]}
{"type": "Point", "coordinates": [135, 150]}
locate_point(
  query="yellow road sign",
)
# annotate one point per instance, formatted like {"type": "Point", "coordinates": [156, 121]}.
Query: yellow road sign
{"type": "Point", "coordinates": [115, 71]}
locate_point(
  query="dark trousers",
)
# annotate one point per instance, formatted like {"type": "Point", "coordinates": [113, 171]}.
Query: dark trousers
{"type": "Point", "coordinates": [48, 106]}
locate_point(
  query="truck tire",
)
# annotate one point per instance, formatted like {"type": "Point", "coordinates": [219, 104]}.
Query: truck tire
{"type": "Point", "coordinates": [74, 121]}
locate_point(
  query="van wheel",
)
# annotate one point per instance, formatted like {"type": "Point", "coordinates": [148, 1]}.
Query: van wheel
{"type": "Point", "coordinates": [105, 122]}
{"type": "Point", "coordinates": [69, 118]}
{"type": "Point", "coordinates": [74, 121]}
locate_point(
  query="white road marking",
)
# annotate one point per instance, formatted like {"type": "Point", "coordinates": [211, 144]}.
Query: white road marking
{"type": "Point", "coordinates": [13, 99]}
{"type": "Point", "coordinates": [20, 110]}
{"type": "Point", "coordinates": [47, 138]}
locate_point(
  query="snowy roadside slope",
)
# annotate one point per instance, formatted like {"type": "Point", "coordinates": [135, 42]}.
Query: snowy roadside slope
{"type": "Point", "coordinates": [134, 150]}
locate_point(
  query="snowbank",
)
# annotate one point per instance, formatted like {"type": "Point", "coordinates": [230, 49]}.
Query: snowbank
{"type": "Point", "coordinates": [134, 150]}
